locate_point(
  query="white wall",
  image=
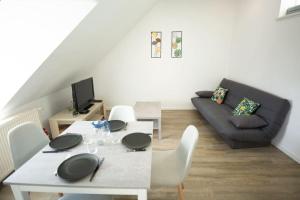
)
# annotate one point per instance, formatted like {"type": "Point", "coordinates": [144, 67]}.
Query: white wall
{"type": "Point", "coordinates": [49, 105]}
{"type": "Point", "coordinates": [266, 54]}
{"type": "Point", "coordinates": [128, 74]}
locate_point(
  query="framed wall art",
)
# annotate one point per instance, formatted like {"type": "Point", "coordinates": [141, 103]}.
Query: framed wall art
{"type": "Point", "coordinates": [176, 44]}
{"type": "Point", "coordinates": [156, 38]}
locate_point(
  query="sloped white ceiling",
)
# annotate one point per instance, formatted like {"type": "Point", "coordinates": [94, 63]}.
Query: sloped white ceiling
{"type": "Point", "coordinates": [99, 32]}
{"type": "Point", "coordinates": [30, 30]}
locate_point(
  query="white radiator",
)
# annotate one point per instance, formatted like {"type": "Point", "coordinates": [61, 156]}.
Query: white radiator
{"type": "Point", "coordinates": [6, 164]}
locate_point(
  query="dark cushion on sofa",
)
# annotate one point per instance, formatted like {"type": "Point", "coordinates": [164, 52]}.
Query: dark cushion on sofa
{"type": "Point", "coordinates": [247, 122]}
{"type": "Point", "coordinates": [205, 94]}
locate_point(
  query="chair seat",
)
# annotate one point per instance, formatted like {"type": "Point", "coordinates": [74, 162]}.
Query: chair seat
{"type": "Point", "coordinates": [165, 169]}
{"type": "Point", "coordinates": [85, 197]}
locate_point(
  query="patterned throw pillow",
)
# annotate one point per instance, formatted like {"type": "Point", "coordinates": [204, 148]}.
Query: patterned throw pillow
{"type": "Point", "coordinates": [245, 107]}
{"type": "Point", "coordinates": [219, 95]}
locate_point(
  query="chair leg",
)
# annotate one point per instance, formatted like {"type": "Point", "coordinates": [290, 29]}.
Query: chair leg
{"type": "Point", "coordinates": [180, 192]}
{"type": "Point", "coordinates": [182, 186]}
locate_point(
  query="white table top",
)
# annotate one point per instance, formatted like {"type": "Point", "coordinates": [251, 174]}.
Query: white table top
{"type": "Point", "coordinates": [120, 169]}
{"type": "Point", "coordinates": [147, 110]}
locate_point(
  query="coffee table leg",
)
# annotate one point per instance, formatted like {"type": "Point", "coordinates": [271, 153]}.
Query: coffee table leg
{"type": "Point", "coordinates": [142, 195]}
{"type": "Point", "coordinates": [159, 129]}
{"type": "Point", "coordinates": [18, 194]}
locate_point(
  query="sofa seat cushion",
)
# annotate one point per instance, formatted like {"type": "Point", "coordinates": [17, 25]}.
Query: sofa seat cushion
{"type": "Point", "coordinates": [218, 116]}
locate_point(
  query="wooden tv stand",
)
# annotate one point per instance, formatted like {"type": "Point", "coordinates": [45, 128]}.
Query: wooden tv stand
{"type": "Point", "coordinates": [66, 117]}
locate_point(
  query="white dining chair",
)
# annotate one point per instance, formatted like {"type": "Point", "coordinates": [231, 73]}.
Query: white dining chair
{"type": "Point", "coordinates": [25, 140]}
{"type": "Point", "coordinates": [169, 168]}
{"type": "Point", "coordinates": [121, 112]}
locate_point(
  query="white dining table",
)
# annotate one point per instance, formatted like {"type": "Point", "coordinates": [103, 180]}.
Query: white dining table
{"type": "Point", "coordinates": [122, 172]}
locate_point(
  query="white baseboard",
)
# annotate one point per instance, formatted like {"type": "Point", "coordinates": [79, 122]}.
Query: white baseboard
{"type": "Point", "coordinates": [164, 108]}
{"type": "Point", "coordinates": [177, 108]}
{"type": "Point", "coordinates": [287, 152]}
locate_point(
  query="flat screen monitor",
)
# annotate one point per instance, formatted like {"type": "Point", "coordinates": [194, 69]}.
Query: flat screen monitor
{"type": "Point", "coordinates": [83, 94]}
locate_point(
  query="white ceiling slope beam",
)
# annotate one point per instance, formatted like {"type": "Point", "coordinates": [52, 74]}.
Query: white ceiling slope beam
{"type": "Point", "coordinates": [83, 49]}
{"type": "Point", "coordinates": [30, 30]}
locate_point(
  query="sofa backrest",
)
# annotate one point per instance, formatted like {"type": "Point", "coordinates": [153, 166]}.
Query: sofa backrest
{"type": "Point", "coordinates": [272, 108]}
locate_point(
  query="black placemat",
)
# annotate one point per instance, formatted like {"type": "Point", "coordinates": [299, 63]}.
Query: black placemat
{"type": "Point", "coordinates": [66, 141]}
{"type": "Point", "coordinates": [77, 167]}
{"type": "Point", "coordinates": [136, 141]}
{"type": "Point", "coordinates": [116, 125]}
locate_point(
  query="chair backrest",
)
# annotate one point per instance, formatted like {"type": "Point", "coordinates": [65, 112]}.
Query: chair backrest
{"type": "Point", "coordinates": [186, 148]}
{"type": "Point", "coordinates": [25, 140]}
{"type": "Point", "coordinates": [124, 113]}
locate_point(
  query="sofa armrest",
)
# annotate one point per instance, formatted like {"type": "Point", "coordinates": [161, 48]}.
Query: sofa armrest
{"type": "Point", "coordinates": [204, 94]}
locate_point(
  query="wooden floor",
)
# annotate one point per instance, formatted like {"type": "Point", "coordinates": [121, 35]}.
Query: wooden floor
{"type": "Point", "coordinates": [218, 172]}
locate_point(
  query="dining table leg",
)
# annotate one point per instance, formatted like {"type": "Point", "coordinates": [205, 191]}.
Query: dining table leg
{"type": "Point", "coordinates": [18, 194]}
{"type": "Point", "coordinates": [142, 195]}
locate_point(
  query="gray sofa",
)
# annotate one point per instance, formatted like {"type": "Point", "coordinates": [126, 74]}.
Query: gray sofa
{"type": "Point", "coordinates": [273, 110]}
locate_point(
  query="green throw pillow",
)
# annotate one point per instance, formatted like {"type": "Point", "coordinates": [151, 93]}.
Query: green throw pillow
{"type": "Point", "coordinates": [219, 95]}
{"type": "Point", "coordinates": [246, 107]}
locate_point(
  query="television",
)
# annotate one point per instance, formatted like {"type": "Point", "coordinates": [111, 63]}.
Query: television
{"type": "Point", "coordinates": [83, 95]}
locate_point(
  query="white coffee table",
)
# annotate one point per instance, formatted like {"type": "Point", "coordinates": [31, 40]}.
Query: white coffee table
{"type": "Point", "coordinates": [149, 111]}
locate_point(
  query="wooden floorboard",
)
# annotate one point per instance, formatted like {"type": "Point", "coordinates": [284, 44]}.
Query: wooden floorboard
{"type": "Point", "coordinates": [219, 172]}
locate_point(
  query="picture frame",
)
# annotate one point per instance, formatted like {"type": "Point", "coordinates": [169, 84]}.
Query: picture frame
{"type": "Point", "coordinates": [176, 44]}
{"type": "Point", "coordinates": [156, 40]}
